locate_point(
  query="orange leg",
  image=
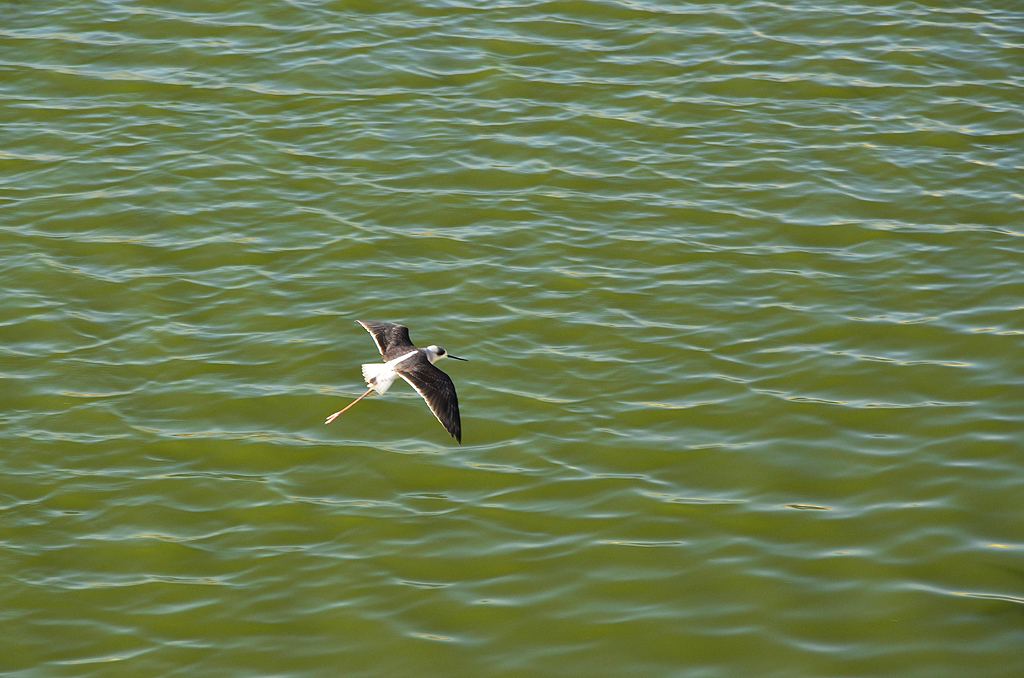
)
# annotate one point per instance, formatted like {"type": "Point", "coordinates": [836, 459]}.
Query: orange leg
{"type": "Point", "coordinates": [335, 415]}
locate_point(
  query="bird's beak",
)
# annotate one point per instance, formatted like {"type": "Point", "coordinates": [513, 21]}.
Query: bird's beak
{"type": "Point", "coordinates": [458, 358]}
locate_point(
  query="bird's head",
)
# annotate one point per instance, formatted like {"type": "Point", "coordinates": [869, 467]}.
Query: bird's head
{"type": "Point", "coordinates": [435, 353]}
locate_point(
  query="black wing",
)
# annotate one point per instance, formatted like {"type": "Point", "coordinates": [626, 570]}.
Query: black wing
{"type": "Point", "coordinates": [437, 389]}
{"type": "Point", "coordinates": [387, 336]}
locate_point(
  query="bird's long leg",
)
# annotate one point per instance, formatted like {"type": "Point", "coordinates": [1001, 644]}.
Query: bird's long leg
{"type": "Point", "coordinates": [335, 415]}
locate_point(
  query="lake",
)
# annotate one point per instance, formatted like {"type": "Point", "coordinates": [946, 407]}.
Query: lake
{"type": "Point", "coordinates": [741, 287]}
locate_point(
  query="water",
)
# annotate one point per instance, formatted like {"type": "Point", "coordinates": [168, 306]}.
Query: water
{"type": "Point", "coordinates": [740, 285]}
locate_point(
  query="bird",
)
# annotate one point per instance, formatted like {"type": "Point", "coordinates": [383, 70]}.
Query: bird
{"type": "Point", "coordinates": [416, 365]}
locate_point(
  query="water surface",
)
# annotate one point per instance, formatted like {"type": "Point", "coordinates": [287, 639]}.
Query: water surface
{"type": "Point", "coordinates": [740, 285]}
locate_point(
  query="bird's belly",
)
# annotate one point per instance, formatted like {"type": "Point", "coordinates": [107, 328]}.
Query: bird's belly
{"type": "Point", "coordinates": [380, 376]}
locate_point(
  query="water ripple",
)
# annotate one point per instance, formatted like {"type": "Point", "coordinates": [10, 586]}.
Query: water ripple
{"type": "Point", "coordinates": [739, 284]}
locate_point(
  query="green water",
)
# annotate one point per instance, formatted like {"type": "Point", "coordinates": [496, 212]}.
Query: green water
{"type": "Point", "coordinates": [741, 286]}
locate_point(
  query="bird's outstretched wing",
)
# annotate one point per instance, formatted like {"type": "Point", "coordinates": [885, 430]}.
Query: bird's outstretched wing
{"type": "Point", "coordinates": [387, 335]}
{"type": "Point", "coordinates": [437, 389]}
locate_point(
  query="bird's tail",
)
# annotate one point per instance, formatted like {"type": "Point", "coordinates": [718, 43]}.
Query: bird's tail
{"type": "Point", "coordinates": [379, 376]}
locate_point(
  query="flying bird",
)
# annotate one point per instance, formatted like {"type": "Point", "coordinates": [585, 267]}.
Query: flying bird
{"type": "Point", "coordinates": [416, 366]}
